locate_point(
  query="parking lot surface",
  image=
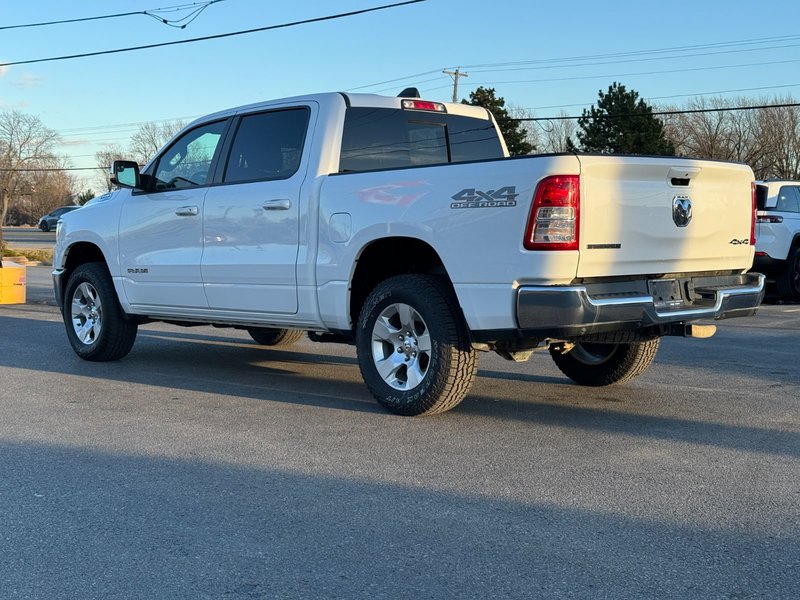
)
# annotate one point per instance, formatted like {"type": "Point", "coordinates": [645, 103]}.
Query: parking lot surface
{"type": "Point", "coordinates": [205, 466]}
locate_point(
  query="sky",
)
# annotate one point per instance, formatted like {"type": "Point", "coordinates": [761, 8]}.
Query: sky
{"type": "Point", "coordinates": [546, 57]}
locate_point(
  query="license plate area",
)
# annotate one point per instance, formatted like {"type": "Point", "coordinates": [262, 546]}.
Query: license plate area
{"type": "Point", "coordinates": [666, 292]}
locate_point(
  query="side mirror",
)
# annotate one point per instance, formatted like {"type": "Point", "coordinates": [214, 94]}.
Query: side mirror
{"type": "Point", "coordinates": [125, 173]}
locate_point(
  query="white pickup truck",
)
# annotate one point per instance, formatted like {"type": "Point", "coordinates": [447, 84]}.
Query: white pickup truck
{"type": "Point", "coordinates": [401, 225]}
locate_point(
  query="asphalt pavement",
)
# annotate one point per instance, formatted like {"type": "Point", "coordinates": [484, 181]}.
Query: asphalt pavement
{"type": "Point", "coordinates": [205, 466]}
{"type": "Point", "coordinates": [29, 237]}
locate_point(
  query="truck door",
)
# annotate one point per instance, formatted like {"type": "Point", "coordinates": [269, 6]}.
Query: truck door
{"type": "Point", "coordinates": [161, 230]}
{"type": "Point", "coordinates": [251, 220]}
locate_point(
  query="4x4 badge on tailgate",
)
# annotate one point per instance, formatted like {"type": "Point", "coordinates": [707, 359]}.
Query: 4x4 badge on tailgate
{"type": "Point", "coordinates": [681, 210]}
{"type": "Point", "coordinates": [472, 198]}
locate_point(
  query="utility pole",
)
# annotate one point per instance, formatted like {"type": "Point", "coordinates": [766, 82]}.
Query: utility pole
{"type": "Point", "coordinates": [455, 75]}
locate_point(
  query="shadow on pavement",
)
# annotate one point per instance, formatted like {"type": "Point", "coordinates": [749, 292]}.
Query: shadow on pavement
{"type": "Point", "coordinates": [83, 523]}
{"type": "Point", "coordinates": [244, 370]}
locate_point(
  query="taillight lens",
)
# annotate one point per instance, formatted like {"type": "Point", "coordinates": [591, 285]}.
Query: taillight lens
{"type": "Point", "coordinates": [555, 215]}
{"type": "Point", "coordinates": [753, 215]}
{"type": "Point", "coordinates": [424, 105]}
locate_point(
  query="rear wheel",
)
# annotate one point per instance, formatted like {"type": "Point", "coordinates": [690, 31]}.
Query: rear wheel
{"type": "Point", "coordinates": [96, 326]}
{"type": "Point", "coordinates": [595, 364]}
{"type": "Point", "coordinates": [268, 336]}
{"type": "Point", "coordinates": [414, 350]}
{"type": "Point", "coordinates": [788, 282]}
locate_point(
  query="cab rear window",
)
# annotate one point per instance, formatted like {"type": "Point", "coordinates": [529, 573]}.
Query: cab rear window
{"type": "Point", "coordinates": [382, 138]}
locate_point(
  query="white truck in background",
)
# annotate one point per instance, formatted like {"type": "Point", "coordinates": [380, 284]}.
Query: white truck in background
{"type": "Point", "coordinates": [401, 225]}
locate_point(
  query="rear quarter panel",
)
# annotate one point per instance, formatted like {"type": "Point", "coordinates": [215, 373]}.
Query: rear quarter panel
{"type": "Point", "coordinates": [481, 247]}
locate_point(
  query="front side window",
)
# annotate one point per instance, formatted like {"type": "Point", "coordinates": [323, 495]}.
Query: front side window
{"type": "Point", "coordinates": [788, 199]}
{"type": "Point", "coordinates": [187, 162]}
{"type": "Point", "coordinates": [267, 146]}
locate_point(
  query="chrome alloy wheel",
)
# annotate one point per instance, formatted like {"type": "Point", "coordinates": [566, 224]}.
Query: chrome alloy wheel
{"type": "Point", "coordinates": [87, 313]}
{"type": "Point", "coordinates": [401, 346]}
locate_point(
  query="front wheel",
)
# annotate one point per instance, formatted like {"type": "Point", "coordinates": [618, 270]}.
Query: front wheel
{"type": "Point", "coordinates": [788, 282]}
{"type": "Point", "coordinates": [96, 326]}
{"type": "Point", "coordinates": [44, 226]}
{"type": "Point", "coordinates": [596, 364]}
{"type": "Point", "coordinates": [413, 347]}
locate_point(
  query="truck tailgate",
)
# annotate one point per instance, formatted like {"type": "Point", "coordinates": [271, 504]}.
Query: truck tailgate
{"type": "Point", "coordinates": [651, 216]}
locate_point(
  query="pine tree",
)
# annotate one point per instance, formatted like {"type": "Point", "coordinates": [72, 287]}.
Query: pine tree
{"type": "Point", "coordinates": [512, 132]}
{"type": "Point", "coordinates": [622, 123]}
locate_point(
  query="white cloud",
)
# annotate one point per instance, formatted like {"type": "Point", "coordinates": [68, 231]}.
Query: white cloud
{"type": "Point", "coordinates": [3, 71]}
{"type": "Point", "coordinates": [77, 142]}
{"type": "Point", "coordinates": [28, 80]}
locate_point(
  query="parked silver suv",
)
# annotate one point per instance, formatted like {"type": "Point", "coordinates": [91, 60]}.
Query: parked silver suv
{"type": "Point", "coordinates": [778, 235]}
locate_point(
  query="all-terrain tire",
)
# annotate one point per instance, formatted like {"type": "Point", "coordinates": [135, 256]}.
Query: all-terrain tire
{"type": "Point", "coordinates": [788, 282]}
{"type": "Point", "coordinates": [268, 336]}
{"type": "Point", "coordinates": [595, 364]}
{"type": "Point", "coordinates": [413, 346]}
{"type": "Point", "coordinates": [97, 328]}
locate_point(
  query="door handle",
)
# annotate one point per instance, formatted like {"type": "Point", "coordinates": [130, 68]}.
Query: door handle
{"type": "Point", "coordinates": [187, 211]}
{"type": "Point", "coordinates": [281, 204]}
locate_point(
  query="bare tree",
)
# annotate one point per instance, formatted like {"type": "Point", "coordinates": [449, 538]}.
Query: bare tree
{"type": "Point", "coordinates": [25, 144]}
{"type": "Point", "coordinates": [104, 158]}
{"type": "Point", "coordinates": [699, 134]}
{"type": "Point", "coordinates": [767, 139]}
{"type": "Point", "coordinates": [150, 137]}
{"type": "Point", "coordinates": [528, 128]}
{"type": "Point", "coordinates": [558, 135]}
{"type": "Point", "coordinates": [780, 129]}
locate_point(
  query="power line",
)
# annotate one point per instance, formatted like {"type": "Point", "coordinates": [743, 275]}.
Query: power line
{"type": "Point", "coordinates": [631, 60]}
{"type": "Point", "coordinates": [212, 37]}
{"type": "Point", "coordinates": [639, 73]}
{"type": "Point", "coordinates": [696, 94]}
{"type": "Point", "coordinates": [196, 9]}
{"type": "Point", "coordinates": [361, 87]}
{"type": "Point", "coordinates": [731, 43]}
{"type": "Point", "coordinates": [662, 112]}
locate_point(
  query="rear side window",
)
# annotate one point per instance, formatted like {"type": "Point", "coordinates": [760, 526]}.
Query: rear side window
{"type": "Point", "coordinates": [788, 199]}
{"type": "Point", "coordinates": [384, 138]}
{"type": "Point", "coordinates": [267, 146]}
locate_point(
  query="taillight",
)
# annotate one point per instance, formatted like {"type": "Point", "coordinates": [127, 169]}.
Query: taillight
{"type": "Point", "coordinates": [424, 105]}
{"type": "Point", "coordinates": [769, 219]}
{"type": "Point", "coordinates": [555, 214]}
{"type": "Point", "coordinates": [753, 214]}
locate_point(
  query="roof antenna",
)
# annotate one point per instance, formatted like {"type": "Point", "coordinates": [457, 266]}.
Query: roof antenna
{"type": "Point", "coordinates": [409, 92]}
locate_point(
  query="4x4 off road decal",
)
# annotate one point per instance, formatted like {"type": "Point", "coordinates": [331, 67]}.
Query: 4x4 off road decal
{"type": "Point", "coordinates": [472, 198]}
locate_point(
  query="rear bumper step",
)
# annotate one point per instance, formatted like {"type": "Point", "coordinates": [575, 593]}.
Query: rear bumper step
{"type": "Point", "coordinates": [582, 309]}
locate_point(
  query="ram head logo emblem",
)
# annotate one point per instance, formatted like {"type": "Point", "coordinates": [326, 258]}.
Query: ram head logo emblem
{"type": "Point", "coordinates": [681, 210]}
